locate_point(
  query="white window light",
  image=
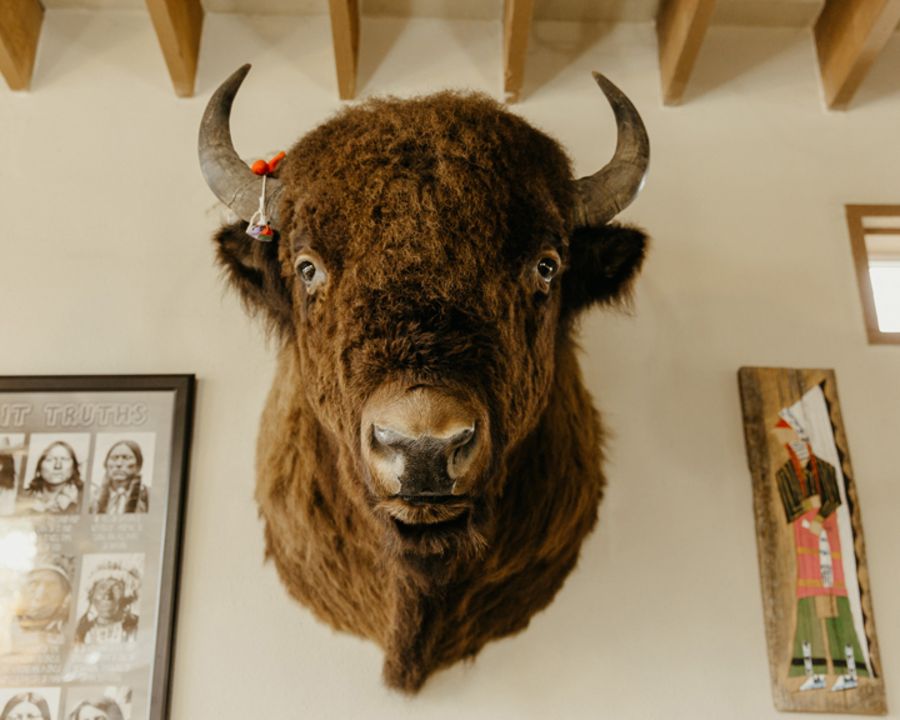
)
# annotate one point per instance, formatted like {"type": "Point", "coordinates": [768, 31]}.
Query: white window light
{"type": "Point", "coordinates": [885, 276]}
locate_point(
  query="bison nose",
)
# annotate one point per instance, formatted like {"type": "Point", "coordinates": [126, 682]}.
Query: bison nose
{"type": "Point", "coordinates": [423, 444]}
{"type": "Point", "coordinates": [425, 466]}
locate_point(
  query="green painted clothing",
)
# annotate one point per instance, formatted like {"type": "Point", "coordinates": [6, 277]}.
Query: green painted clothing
{"type": "Point", "coordinates": [840, 633]}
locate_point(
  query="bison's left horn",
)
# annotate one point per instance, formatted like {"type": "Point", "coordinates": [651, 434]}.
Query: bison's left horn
{"type": "Point", "coordinates": [226, 174]}
{"type": "Point", "coordinates": [603, 195]}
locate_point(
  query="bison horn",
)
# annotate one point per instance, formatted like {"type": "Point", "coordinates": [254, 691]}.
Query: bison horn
{"type": "Point", "coordinates": [603, 195]}
{"type": "Point", "coordinates": [226, 174]}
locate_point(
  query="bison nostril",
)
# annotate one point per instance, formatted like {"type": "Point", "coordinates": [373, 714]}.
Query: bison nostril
{"type": "Point", "coordinates": [463, 452]}
{"type": "Point", "coordinates": [385, 438]}
{"type": "Point", "coordinates": [462, 438]}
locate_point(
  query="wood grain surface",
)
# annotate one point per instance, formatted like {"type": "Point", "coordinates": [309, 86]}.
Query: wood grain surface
{"type": "Point", "coordinates": [764, 392]}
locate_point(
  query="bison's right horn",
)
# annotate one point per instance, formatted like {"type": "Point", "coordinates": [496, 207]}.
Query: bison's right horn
{"type": "Point", "coordinates": [226, 174]}
{"type": "Point", "coordinates": [603, 195]}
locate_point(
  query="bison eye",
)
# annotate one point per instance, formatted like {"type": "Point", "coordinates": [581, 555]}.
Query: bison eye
{"type": "Point", "coordinates": [307, 270]}
{"type": "Point", "coordinates": [311, 272]}
{"type": "Point", "coordinates": [547, 267]}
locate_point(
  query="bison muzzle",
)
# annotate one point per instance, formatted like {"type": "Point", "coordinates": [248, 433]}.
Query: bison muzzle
{"type": "Point", "coordinates": [429, 460]}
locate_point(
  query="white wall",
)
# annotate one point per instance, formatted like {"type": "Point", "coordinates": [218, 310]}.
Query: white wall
{"type": "Point", "coordinates": [108, 269]}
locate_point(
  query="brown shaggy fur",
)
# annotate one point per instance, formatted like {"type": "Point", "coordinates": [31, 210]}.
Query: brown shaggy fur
{"type": "Point", "coordinates": [430, 215]}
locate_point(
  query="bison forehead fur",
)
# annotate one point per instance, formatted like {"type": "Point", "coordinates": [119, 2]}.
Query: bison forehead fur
{"type": "Point", "coordinates": [425, 240]}
{"type": "Point", "coordinates": [428, 217]}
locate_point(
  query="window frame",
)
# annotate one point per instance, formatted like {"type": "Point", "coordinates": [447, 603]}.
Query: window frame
{"type": "Point", "coordinates": [855, 223]}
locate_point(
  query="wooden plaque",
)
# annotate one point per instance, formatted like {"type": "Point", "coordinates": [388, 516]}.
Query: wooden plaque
{"type": "Point", "coordinates": [820, 628]}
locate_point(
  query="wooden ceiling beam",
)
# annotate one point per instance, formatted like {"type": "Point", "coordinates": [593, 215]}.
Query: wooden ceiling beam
{"type": "Point", "coordinates": [516, 27]}
{"type": "Point", "coordinates": [178, 25]}
{"type": "Point", "coordinates": [849, 35]}
{"type": "Point", "coordinates": [345, 35]}
{"type": "Point", "coordinates": [20, 28]}
{"type": "Point", "coordinates": [680, 27]}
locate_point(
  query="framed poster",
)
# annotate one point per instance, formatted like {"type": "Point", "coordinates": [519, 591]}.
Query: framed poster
{"type": "Point", "coordinates": [93, 474]}
{"type": "Point", "coordinates": [817, 597]}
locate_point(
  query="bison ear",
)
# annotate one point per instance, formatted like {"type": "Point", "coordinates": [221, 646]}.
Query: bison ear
{"type": "Point", "coordinates": [253, 268]}
{"type": "Point", "coordinates": [603, 263]}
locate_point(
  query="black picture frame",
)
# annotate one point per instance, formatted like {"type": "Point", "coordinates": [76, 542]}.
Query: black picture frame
{"type": "Point", "coordinates": [99, 411]}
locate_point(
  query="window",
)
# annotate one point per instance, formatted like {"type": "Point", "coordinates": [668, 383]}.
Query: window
{"type": "Point", "coordinates": [875, 239]}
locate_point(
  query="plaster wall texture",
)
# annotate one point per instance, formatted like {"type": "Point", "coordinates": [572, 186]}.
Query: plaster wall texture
{"type": "Point", "coordinates": [107, 268]}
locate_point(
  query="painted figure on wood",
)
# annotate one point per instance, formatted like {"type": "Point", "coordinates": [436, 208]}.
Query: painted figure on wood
{"type": "Point", "coordinates": [810, 487]}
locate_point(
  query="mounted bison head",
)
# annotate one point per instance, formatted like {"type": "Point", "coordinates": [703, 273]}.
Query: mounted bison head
{"type": "Point", "coordinates": [428, 460]}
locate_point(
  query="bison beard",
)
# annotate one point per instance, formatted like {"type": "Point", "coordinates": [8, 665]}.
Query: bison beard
{"type": "Point", "coordinates": [426, 217]}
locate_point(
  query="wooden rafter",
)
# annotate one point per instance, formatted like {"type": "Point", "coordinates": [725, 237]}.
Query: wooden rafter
{"type": "Point", "coordinates": [345, 35]}
{"type": "Point", "coordinates": [178, 25]}
{"type": "Point", "coordinates": [680, 26]}
{"type": "Point", "coordinates": [516, 26]}
{"type": "Point", "coordinates": [20, 28]}
{"type": "Point", "coordinates": [849, 35]}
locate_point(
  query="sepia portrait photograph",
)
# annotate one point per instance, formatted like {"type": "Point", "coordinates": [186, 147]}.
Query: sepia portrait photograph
{"type": "Point", "coordinates": [54, 476]}
{"type": "Point", "coordinates": [91, 472]}
{"type": "Point", "coordinates": [41, 605]}
{"type": "Point", "coordinates": [29, 703]}
{"type": "Point", "coordinates": [122, 473]}
{"type": "Point", "coordinates": [109, 599]}
{"type": "Point", "coordinates": [12, 457]}
{"type": "Point", "coordinates": [98, 703]}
